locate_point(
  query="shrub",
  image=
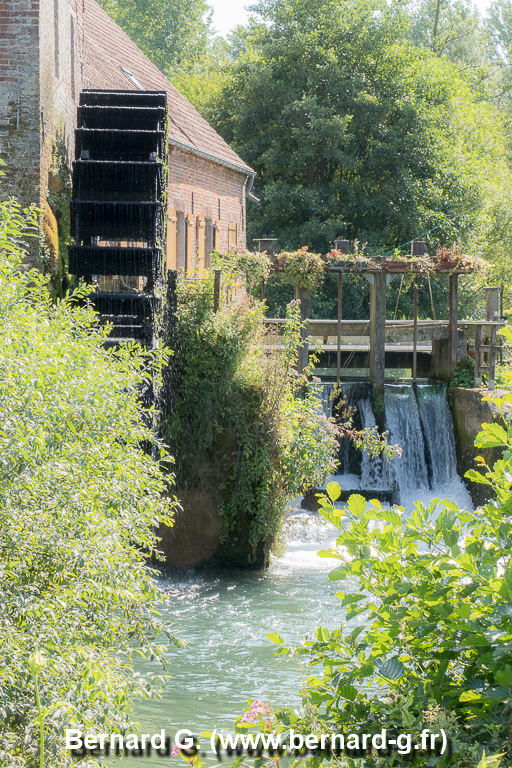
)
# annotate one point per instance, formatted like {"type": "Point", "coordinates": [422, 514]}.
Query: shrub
{"type": "Point", "coordinates": [425, 638]}
{"type": "Point", "coordinates": [79, 503]}
{"type": "Point", "coordinates": [239, 403]}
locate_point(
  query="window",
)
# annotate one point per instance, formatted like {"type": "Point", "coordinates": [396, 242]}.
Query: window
{"type": "Point", "coordinates": [181, 246]}
{"type": "Point", "coordinates": [201, 243]}
{"type": "Point", "coordinates": [189, 244]}
{"type": "Point", "coordinates": [232, 235]}
{"type": "Point", "coordinates": [216, 236]}
{"type": "Point", "coordinates": [171, 245]}
{"type": "Point", "coordinates": [209, 242]}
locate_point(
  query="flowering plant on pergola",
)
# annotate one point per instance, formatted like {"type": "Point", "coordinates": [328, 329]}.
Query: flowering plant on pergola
{"type": "Point", "coordinates": [450, 259]}
{"type": "Point", "coordinates": [302, 267]}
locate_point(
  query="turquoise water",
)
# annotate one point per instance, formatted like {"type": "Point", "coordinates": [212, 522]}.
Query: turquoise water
{"type": "Point", "coordinates": [224, 616]}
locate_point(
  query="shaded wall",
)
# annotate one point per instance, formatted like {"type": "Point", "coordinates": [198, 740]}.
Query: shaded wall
{"type": "Point", "coordinates": [469, 412]}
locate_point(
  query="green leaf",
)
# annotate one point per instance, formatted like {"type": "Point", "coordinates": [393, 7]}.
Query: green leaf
{"type": "Point", "coordinates": [391, 516]}
{"type": "Point", "coordinates": [275, 638]}
{"type": "Point", "coordinates": [347, 692]}
{"type": "Point", "coordinates": [492, 436]}
{"type": "Point", "coordinates": [392, 669]}
{"type": "Point", "coordinates": [470, 696]}
{"type": "Point", "coordinates": [357, 504]}
{"type": "Point", "coordinates": [333, 490]}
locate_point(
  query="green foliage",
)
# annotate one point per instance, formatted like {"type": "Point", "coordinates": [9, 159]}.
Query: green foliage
{"type": "Point", "coordinates": [241, 408]}
{"type": "Point", "coordinates": [252, 266]}
{"type": "Point", "coordinates": [171, 34]}
{"type": "Point", "coordinates": [502, 377]}
{"type": "Point", "coordinates": [303, 268]}
{"type": "Point", "coordinates": [80, 501]}
{"type": "Point", "coordinates": [355, 132]}
{"type": "Point", "coordinates": [464, 373]}
{"type": "Point", "coordinates": [425, 638]}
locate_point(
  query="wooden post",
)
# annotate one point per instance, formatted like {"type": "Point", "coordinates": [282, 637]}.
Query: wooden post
{"type": "Point", "coordinates": [477, 379]}
{"type": "Point", "coordinates": [338, 350]}
{"type": "Point", "coordinates": [492, 359]}
{"type": "Point", "coordinates": [415, 332]}
{"type": "Point", "coordinates": [216, 289]}
{"type": "Point", "coordinates": [452, 320]}
{"type": "Point", "coordinates": [303, 294]}
{"type": "Point", "coordinates": [377, 328]}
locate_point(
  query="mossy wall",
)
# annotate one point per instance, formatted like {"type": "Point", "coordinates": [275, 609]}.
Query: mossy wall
{"type": "Point", "coordinates": [469, 412]}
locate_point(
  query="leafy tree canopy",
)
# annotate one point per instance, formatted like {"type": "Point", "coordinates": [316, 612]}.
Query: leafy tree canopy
{"type": "Point", "coordinates": [172, 33]}
{"type": "Point", "coordinates": [356, 132]}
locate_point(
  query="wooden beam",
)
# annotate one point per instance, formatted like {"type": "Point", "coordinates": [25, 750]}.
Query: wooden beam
{"type": "Point", "coordinates": [378, 330]}
{"type": "Point", "coordinates": [477, 378]}
{"type": "Point", "coordinates": [415, 332]}
{"type": "Point", "coordinates": [452, 319]}
{"type": "Point", "coordinates": [338, 351]}
{"type": "Point", "coordinates": [216, 289]}
{"type": "Point", "coordinates": [492, 359]}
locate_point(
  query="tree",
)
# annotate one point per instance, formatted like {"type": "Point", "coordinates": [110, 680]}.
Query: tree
{"type": "Point", "coordinates": [79, 504]}
{"type": "Point", "coordinates": [174, 34]}
{"type": "Point", "coordinates": [453, 28]}
{"type": "Point", "coordinates": [354, 132]}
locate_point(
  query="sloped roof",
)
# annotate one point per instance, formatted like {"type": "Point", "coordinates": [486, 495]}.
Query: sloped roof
{"type": "Point", "coordinates": [107, 48]}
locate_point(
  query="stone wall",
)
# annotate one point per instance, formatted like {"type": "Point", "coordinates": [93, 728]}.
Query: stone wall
{"type": "Point", "coordinates": [19, 99]}
{"type": "Point", "coordinates": [469, 412]}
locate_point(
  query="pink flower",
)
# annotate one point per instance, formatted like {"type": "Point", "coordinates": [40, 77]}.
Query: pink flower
{"type": "Point", "coordinates": [175, 750]}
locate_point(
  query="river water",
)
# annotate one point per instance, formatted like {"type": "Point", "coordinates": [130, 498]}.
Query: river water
{"type": "Point", "coordinates": [224, 616]}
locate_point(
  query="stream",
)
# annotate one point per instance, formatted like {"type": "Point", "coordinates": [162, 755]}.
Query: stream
{"type": "Point", "coordinates": [225, 616]}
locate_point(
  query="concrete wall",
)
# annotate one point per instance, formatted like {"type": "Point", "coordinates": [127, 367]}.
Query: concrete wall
{"type": "Point", "coordinates": [469, 412]}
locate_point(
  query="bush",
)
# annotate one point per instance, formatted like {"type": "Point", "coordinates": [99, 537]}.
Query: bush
{"type": "Point", "coordinates": [240, 405]}
{"type": "Point", "coordinates": [79, 503]}
{"type": "Point", "coordinates": [425, 639]}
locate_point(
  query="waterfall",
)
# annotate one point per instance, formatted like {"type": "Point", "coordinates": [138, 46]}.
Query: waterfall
{"type": "Point", "coordinates": [419, 420]}
{"type": "Point", "coordinates": [403, 422]}
{"type": "Point", "coordinates": [324, 393]}
{"type": "Point", "coordinates": [375, 472]}
{"type": "Point", "coordinates": [436, 423]}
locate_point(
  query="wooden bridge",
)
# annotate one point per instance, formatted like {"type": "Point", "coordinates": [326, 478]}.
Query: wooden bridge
{"type": "Point", "coordinates": [350, 344]}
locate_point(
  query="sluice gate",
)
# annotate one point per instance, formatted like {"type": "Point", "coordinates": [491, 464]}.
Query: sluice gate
{"type": "Point", "coordinates": [118, 207]}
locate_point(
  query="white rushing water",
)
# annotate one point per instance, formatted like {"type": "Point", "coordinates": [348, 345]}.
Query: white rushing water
{"type": "Point", "coordinates": [226, 615]}
{"type": "Point", "coordinates": [419, 421]}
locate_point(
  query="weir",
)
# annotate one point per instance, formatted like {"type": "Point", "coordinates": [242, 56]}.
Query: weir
{"type": "Point", "coordinates": [418, 419]}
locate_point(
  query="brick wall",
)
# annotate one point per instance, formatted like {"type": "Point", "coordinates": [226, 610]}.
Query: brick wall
{"type": "Point", "coordinates": [202, 188]}
{"type": "Point", "coordinates": [40, 79]}
{"type": "Point", "coordinates": [19, 98]}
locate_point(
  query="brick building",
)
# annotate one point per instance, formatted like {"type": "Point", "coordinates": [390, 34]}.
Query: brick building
{"type": "Point", "coordinates": [52, 49]}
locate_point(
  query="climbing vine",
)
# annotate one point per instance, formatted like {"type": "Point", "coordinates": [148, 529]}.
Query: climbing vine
{"type": "Point", "coordinates": [56, 220]}
{"type": "Point", "coordinates": [243, 413]}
